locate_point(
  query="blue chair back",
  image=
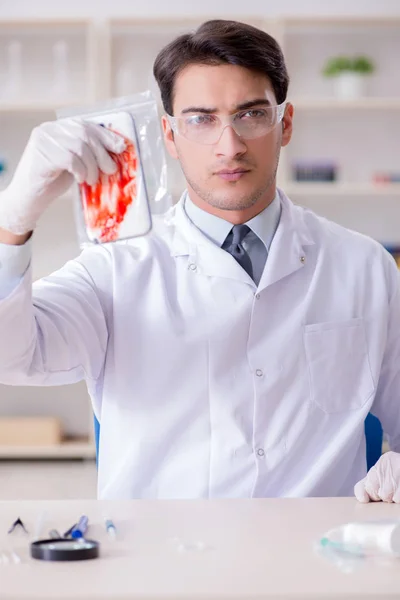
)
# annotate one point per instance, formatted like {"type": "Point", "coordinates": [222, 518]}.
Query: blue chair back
{"type": "Point", "coordinates": [373, 438]}
{"type": "Point", "coordinates": [96, 438]}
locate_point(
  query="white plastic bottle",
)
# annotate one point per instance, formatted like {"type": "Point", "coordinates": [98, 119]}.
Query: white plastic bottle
{"type": "Point", "coordinates": [366, 538]}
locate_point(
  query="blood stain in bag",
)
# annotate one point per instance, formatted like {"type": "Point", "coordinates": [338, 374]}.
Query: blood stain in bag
{"type": "Point", "coordinates": [105, 204]}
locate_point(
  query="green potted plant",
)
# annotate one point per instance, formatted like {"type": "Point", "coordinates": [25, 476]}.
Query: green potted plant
{"type": "Point", "coordinates": [349, 74]}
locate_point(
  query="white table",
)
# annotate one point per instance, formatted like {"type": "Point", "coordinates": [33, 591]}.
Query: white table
{"type": "Point", "coordinates": [251, 549]}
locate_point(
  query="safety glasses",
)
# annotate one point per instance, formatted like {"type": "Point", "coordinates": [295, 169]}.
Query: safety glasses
{"type": "Point", "coordinates": [203, 128]}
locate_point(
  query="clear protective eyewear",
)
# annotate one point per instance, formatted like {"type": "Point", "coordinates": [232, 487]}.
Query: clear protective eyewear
{"type": "Point", "coordinates": [249, 124]}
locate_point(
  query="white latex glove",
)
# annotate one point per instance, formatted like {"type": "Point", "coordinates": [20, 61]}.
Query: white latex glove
{"type": "Point", "coordinates": [57, 153]}
{"type": "Point", "coordinates": [382, 481]}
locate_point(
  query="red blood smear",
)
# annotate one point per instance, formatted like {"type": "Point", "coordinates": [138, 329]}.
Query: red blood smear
{"type": "Point", "coordinates": [105, 203]}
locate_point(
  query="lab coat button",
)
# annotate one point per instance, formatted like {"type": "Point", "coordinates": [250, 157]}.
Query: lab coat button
{"type": "Point", "coordinates": [302, 259]}
{"type": "Point", "coordinates": [259, 373]}
{"type": "Point", "coordinates": [260, 452]}
{"type": "Point", "coordinates": [192, 267]}
{"type": "Point", "coordinates": [258, 296]}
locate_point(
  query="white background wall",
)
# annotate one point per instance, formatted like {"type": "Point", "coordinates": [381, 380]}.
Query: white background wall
{"type": "Point", "coordinates": [187, 8]}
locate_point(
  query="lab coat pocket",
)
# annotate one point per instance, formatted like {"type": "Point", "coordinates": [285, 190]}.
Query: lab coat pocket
{"type": "Point", "coordinates": [338, 363]}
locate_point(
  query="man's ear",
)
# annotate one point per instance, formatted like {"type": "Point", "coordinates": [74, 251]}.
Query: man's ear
{"type": "Point", "coordinates": [287, 124]}
{"type": "Point", "coordinates": [169, 137]}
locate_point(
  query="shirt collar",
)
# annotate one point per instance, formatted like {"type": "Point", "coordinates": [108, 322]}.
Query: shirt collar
{"type": "Point", "coordinates": [266, 222]}
{"type": "Point", "coordinates": [216, 229]}
{"type": "Point", "coordinates": [213, 227]}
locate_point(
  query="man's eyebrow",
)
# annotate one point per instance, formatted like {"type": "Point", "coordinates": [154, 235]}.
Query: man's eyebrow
{"type": "Point", "coordinates": [199, 109]}
{"type": "Point", "coordinates": [243, 106]}
{"type": "Point", "coordinates": [252, 103]}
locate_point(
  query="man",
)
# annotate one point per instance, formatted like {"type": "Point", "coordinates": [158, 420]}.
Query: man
{"type": "Point", "coordinates": [237, 349]}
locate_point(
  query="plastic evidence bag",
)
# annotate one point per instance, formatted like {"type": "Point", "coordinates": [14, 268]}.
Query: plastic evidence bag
{"type": "Point", "coordinates": [120, 206]}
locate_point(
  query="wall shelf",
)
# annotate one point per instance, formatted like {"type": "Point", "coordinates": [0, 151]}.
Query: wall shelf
{"type": "Point", "coordinates": [38, 107]}
{"type": "Point", "coordinates": [313, 103]}
{"type": "Point", "coordinates": [340, 189]}
{"type": "Point", "coordinates": [71, 449]}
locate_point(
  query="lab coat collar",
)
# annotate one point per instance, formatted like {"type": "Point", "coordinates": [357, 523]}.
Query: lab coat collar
{"type": "Point", "coordinates": [286, 255]}
{"type": "Point", "coordinates": [288, 251]}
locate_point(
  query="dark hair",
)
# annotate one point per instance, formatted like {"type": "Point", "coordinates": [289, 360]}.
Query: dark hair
{"type": "Point", "coordinates": [219, 42]}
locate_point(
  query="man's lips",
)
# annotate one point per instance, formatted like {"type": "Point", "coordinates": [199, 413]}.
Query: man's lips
{"type": "Point", "coordinates": [232, 174]}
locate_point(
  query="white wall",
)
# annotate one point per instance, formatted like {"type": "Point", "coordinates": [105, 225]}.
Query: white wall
{"type": "Point", "coordinates": [185, 8]}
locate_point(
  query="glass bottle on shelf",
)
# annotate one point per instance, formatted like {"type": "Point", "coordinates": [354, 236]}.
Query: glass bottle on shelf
{"type": "Point", "coordinates": [12, 89]}
{"type": "Point", "coordinates": [61, 72]}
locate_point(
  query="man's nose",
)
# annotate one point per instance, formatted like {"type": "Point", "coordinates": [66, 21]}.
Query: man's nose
{"type": "Point", "coordinates": [230, 143]}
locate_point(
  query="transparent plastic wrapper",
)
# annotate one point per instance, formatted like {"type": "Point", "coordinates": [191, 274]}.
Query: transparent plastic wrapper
{"type": "Point", "coordinates": [120, 206]}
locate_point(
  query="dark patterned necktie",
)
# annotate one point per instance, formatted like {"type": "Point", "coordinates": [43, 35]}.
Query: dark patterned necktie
{"type": "Point", "coordinates": [233, 245]}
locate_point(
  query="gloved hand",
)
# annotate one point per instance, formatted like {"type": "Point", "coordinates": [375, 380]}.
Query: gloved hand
{"type": "Point", "coordinates": [56, 153]}
{"type": "Point", "coordinates": [382, 481]}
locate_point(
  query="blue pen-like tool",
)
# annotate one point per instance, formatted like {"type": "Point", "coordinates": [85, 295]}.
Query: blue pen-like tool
{"type": "Point", "coordinates": [111, 529]}
{"type": "Point", "coordinates": [80, 529]}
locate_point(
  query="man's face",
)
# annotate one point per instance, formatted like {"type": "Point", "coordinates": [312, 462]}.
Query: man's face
{"type": "Point", "coordinates": [223, 90]}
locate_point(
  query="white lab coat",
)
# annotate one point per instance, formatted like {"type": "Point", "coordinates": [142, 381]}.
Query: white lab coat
{"type": "Point", "coordinates": [205, 385]}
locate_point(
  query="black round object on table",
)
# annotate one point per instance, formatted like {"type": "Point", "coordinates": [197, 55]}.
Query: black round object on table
{"type": "Point", "coordinates": [65, 549]}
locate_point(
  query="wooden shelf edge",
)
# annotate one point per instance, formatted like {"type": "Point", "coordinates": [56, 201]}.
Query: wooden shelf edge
{"type": "Point", "coordinates": [377, 20]}
{"type": "Point", "coordinates": [68, 449]}
{"type": "Point", "coordinates": [178, 21]}
{"type": "Point", "coordinates": [339, 189]}
{"type": "Point", "coordinates": [332, 103]}
{"type": "Point", "coordinates": [50, 22]}
{"type": "Point", "coordinates": [38, 107]}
